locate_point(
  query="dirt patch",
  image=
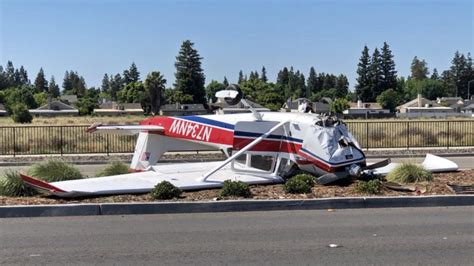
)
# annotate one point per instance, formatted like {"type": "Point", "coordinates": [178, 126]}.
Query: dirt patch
{"type": "Point", "coordinates": [345, 189]}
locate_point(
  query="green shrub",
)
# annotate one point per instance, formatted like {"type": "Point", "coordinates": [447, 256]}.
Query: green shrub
{"type": "Point", "coordinates": [369, 187]}
{"type": "Point", "coordinates": [114, 168]}
{"type": "Point", "coordinates": [296, 186]}
{"type": "Point", "coordinates": [55, 170]}
{"type": "Point", "coordinates": [409, 173]}
{"type": "Point", "coordinates": [13, 186]}
{"type": "Point", "coordinates": [165, 190]}
{"type": "Point", "coordinates": [20, 113]}
{"type": "Point", "coordinates": [307, 178]}
{"type": "Point", "coordinates": [235, 189]}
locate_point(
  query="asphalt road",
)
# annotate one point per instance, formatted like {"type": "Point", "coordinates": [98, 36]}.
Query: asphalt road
{"type": "Point", "coordinates": [432, 236]}
{"type": "Point", "coordinates": [464, 162]}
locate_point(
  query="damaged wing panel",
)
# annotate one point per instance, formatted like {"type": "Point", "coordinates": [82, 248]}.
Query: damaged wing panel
{"type": "Point", "coordinates": [431, 163]}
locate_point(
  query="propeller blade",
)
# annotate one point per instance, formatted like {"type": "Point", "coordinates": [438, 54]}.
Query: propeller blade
{"type": "Point", "coordinates": [331, 177]}
{"type": "Point", "coordinates": [377, 165]}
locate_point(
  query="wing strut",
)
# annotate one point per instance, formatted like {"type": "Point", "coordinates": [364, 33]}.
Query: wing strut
{"type": "Point", "coordinates": [246, 148]}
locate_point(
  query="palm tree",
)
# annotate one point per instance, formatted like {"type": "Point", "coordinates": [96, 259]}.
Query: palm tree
{"type": "Point", "coordinates": [154, 85]}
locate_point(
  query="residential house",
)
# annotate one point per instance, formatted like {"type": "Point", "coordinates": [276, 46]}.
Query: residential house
{"type": "Point", "coordinates": [69, 99]}
{"type": "Point", "coordinates": [421, 107]}
{"type": "Point", "coordinates": [366, 110]}
{"type": "Point", "coordinates": [116, 109]}
{"type": "Point", "coordinates": [55, 108]}
{"type": "Point", "coordinates": [300, 104]}
{"type": "Point", "coordinates": [177, 109]}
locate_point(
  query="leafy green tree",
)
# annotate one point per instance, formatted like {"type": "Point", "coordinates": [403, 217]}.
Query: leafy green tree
{"type": "Point", "coordinates": [23, 77]}
{"type": "Point", "coordinates": [419, 69]}
{"type": "Point", "coordinates": [389, 74]}
{"type": "Point", "coordinates": [131, 75]}
{"type": "Point", "coordinates": [132, 93]}
{"type": "Point", "coordinates": [154, 86]}
{"type": "Point", "coordinates": [225, 82]}
{"type": "Point", "coordinates": [212, 88]}
{"type": "Point", "coordinates": [363, 86]}
{"type": "Point", "coordinates": [10, 74]}
{"type": "Point", "coordinates": [53, 88]}
{"type": "Point", "coordinates": [339, 105]}
{"type": "Point", "coordinates": [435, 75]}
{"type": "Point", "coordinates": [41, 84]}
{"type": "Point", "coordinates": [41, 98]}
{"type": "Point", "coordinates": [189, 75]}
{"type": "Point", "coordinates": [177, 96]}
{"type": "Point", "coordinates": [24, 95]}
{"type": "Point", "coordinates": [431, 89]}
{"type": "Point", "coordinates": [20, 113]}
{"type": "Point", "coordinates": [389, 99]}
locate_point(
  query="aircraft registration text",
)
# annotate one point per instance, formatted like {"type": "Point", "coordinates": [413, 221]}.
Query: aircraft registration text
{"type": "Point", "coordinates": [190, 129]}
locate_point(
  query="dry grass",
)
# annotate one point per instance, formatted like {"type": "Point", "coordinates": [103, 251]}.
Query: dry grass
{"type": "Point", "coordinates": [77, 120]}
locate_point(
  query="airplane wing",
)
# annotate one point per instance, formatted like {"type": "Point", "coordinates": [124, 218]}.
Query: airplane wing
{"type": "Point", "coordinates": [183, 175]}
{"type": "Point", "coordinates": [124, 130]}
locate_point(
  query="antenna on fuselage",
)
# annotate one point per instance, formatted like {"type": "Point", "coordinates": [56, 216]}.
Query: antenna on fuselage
{"type": "Point", "coordinates": [232, 95]}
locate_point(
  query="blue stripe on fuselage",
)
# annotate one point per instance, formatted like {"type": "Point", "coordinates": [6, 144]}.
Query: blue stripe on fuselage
{"type": "Point", "coordinates": [207, 121]}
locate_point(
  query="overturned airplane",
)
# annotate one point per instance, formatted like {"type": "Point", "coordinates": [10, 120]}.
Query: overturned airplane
{"type": "Point", "coordinates": [262, 148]}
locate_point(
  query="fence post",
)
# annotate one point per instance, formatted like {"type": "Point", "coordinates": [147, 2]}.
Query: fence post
{"type": "Point", "coordinates": [367, 135]}
{"type": "Point", "coordinates": [61, 141]}
{"type": "Point", "coordinates": [107, 144]}
{"type": "Point", "coordinates": [14, 141]}
{"type": "Point", "coordinates": [449, 135]}
{"type": "Point", "coordinates": [408, 135]}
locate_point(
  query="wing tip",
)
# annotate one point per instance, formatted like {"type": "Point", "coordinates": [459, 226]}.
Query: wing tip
{"type": "Point", "coordinates": [40, 184]}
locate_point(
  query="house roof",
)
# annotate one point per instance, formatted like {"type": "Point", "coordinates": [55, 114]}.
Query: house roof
{"type": "Point", "coordinates": [69, 98]}
{"type": "Point", "coordinates": [56, 106]}
{"type": "Point", "coordinates": [2, 107]}
{"type": "Point", "coordinates": [370, 105]}
{"type": "Point", "coordinates": [183, 107]}
{"type": "Point", "coordinates": [414, 103]}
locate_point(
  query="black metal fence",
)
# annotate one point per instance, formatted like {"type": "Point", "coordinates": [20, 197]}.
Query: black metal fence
{"type": "Point", "coordinates": [30, 140]}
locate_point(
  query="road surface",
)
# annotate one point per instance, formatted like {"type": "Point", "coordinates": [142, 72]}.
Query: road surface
{"type": "Point", "coordinates": [92, 169]}
{"type": "Point", "coordinates": [409, 236]}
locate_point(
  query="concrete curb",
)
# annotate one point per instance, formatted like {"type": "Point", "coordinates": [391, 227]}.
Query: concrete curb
{"type": "Point", "coordinates": [232, 206]}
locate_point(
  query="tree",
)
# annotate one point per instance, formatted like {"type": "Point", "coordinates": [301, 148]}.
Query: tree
{"type": "Point", "coordinates": [189, 75]}
{"type": "Point", "coordinates": [41, 84]}
{"type": "Point", "coordinates": [41, 98]}
{"type": "Point", "coordinates": [212, 88]}
{"type": "Point", "coordinates": [389, 99]}
{"type": "Point", "coordinates": [241, 77]}
{"type": "Point", "coordinates": [115, 85]}
{"type": "Point", "coordinates": [131, 75]}
{"type": "Point", "coordinates": [105, 87]}
{"type": "Point", "coordinates": [23, 77]}
{"type": "Point", "coordinates": [341, 86]}
{"type": "Point", "coordinates": [132, 93]}
{"type": "Point", "coordinates": [20, 113]}
{"type": "Point", "coordinates": [263, 76]}
{"type": "Point", "coordinates": [154, 86]}
{"type": "Point", "coordinates": [389, 74]}
{"type": "Point", "coordinates": [363, 86]}
{"type": "Point", "coordinates": [339, 105]}
{"type": "Point", "coordinates": [419, 70]}
{"type": "Point", "coordinates": [88, 102]}
{"type": "Point", "coordinates": [312, 82]}
{"type": "Point", "coordinates": [23, 95]}
{"type": "Point", "coordinates": [225, 82]}
{"type": "Point", "coordinates": [375, 75]}
{"type": "Point", "coordinates": [435, 75]}
{"type": "Point", "coordinates": [74, 84]}
{"type": "Point", "coordinates": [177, 96]}
{"type": "Point", "coordinates": [53, 88]}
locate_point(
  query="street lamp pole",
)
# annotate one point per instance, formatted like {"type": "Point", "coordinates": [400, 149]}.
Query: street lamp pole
{"type": "Point", "coordinates": [469, 89]}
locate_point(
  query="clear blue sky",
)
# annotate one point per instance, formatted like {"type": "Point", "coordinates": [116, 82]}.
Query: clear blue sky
{"type": "Point", "coordinates": [97, 37]}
